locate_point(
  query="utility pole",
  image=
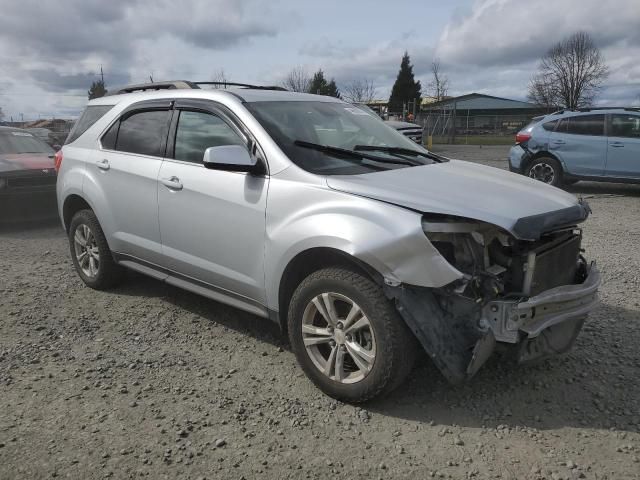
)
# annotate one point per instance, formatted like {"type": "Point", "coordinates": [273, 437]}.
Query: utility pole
{"type": "Point", "coordinates": [101, 75]}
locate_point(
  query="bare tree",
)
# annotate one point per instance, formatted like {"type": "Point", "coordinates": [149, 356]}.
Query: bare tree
{"type": "Point", "coordinates": [570, 74]}
{"type": "Point", "coordinates": [219, 76]}
{"type": "Point", "coordinates": [359, 91]}
{"type": "Point", "coordinates": [1, 114]}
{"type": "Point", "coordinates": [438, 87]}
{"type": "Point", "coordinates": [297, 80]}
{"type": "Point", "coordinates": [543, 91]}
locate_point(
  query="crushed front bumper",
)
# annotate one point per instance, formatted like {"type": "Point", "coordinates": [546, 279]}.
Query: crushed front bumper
{"type": "Point", "coordinates": [460, 336]}
{"type": "Point", "coordinates": [547, 323]}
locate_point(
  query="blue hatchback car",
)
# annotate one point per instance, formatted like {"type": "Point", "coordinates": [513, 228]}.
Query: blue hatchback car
{"type": "Point", "coordinates": [568, 146]}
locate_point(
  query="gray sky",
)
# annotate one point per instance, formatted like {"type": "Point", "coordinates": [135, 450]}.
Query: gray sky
{"type": "Point", "coordinates": [50, 51]}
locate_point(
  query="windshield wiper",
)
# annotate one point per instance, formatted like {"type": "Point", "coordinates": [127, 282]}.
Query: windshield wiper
{"type": "Point", "coordinates": [398, 151]}
{"type": "Point", "coordinates": [337, 151]}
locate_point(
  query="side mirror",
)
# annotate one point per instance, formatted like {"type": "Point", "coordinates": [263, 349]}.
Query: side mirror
{"type": "Point", "coordinates": [233, 158]}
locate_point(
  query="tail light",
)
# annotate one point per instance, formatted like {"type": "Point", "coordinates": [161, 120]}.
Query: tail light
{"type": "Point", "coordinates": [522, 137]}
{"type": "Point", "coordinates": [57, 160]}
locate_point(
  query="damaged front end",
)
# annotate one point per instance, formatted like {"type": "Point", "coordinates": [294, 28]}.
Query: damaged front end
{"type": "Point", "coordinates": [531, 296]}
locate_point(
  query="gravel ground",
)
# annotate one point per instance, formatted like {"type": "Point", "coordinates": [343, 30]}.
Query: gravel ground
{"type": "Point", "coordinates": [150, 381]}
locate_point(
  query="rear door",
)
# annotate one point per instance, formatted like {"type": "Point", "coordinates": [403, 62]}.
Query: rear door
{"type": "Point", "coordinates": [126, 174]}
{"type": "Point", "coordinates": [580, 144]}
{"type": "Point", "coordinates": [212, 222]}
{"type": "Point", "coordinates": [623, 146]}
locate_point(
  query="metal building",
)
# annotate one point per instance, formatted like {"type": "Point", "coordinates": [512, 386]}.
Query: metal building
{"type": "Point", "coordinates": [477, 114]}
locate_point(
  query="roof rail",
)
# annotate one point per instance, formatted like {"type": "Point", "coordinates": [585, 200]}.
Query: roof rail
{"type": "Point", "coordinates": [141, 87]}
{"type": "Point", "coordinates": [244, 85]}
{"type": "Point", "coordinates": [185, 84]}
{"type": "Point", "coordinates": [589, 109]}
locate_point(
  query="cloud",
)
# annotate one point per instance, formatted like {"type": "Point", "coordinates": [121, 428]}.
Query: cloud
{"type": "Point", "coordinates": [379, 62]}
{"type": "Point", "coordinates": [53, 81]}
{"type": "Point", "coordinates": [50, 53]}
{"type": "Point", "coordinates": [496, 46]}
{"type": "Point", "coordinates": [507, 32]}
{"type": "Point", "coordinates": [112, 29]}
{"type": "Point", "coordinates": [60, 48]}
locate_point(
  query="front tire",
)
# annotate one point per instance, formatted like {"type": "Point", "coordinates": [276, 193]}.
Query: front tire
{"type": "Point", "coordinates": [90, 252]}
{"type": "Point", "coordinates": [546, 170]}
{"type": "Point", "coordinates": [347, 337]}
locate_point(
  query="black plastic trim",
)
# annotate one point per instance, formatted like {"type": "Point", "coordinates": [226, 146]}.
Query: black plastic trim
{"type": "Point", "coordinates": [532, 228]}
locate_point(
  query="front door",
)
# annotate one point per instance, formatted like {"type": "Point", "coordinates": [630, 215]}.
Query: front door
{"type": "Point", "coordinates": [212, 222]}
{"type": "Point", "coordinates": [580, 144]}
{"type": "Point", "coordinates": [623, 148]}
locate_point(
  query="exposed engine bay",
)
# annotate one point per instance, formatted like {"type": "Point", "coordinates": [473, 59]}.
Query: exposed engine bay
{"type": "Point", "coordinates": [531, 295]}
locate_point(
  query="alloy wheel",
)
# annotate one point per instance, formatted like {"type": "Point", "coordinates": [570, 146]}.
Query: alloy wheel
{"type": "Point", "coordinates": [542, 172]}
{"type": "Point", "coordinates": [86, 250]}
{"type": "Point", "coordinates": [338, 337]}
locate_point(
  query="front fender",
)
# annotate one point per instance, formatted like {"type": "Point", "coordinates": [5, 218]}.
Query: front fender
{"type": "Point", "coordinates": [386, 237]}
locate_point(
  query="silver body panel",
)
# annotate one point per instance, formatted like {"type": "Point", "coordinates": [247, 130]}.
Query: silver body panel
{"type": "Point", "coordinates": [459, 188]}
{"type": "Point", "coordinates": [213, 229]}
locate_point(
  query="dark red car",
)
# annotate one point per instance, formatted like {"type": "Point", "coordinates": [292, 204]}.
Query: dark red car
{"type": "Point", "coordinates": [27, 177]}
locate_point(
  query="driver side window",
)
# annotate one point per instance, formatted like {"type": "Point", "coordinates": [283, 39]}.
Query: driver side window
{"type": "Point", "coordinates": [197, 131]}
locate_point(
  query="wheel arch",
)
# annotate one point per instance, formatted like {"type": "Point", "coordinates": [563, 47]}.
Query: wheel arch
{"type": "Point", "coordinates": [309, 261]}
{"type": "Point", "coordinates": [73, 204]}
{"type": "Point", "coordinates": [541, 154]}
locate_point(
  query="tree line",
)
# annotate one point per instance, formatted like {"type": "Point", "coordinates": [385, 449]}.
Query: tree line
{"type": "Point", "coordinates": [570, 75]}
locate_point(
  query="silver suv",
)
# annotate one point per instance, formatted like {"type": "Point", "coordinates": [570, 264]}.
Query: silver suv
{"type": "Point", "coordinates": [309, 212]}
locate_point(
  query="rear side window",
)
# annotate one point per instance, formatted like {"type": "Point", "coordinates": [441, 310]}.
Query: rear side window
{"type": "Point", "coordinates": [550, 126]}
{"type": "Point", "coordinates": [625, 126]}
{"type": "Point", "coordinates": [143, 132]}
{"type": "Point", "coordinates": [91, 115]}
{"type": "Point", "coordinates": [198, 131]}
{"type": "Point", "coordinates": [583, 125]}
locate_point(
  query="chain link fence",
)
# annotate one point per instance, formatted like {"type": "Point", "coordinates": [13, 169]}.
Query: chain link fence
{"type": "Point", "coordinates": [465, 127]}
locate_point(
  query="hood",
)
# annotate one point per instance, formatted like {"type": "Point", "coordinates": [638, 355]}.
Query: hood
{"type": "Point", "coordinates": [14, 162]}
{"type": "Point", "coordinates": [401, 125]}
{"type": "Point", "coordinates": [524, 207]}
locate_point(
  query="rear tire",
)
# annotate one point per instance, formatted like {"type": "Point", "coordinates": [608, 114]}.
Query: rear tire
{"type": "Point", "coordinates": [90, 252]}
{"type": "Point", "coordinates": [545, 169]}
{"type": "Point", "coordinates": [353, 357]}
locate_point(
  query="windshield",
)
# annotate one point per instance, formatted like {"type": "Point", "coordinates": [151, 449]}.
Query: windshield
{"type": "Point", "coordinates": [22, 142]}
{"type": "Point", "coordinates": [366, 108]}
{"type": "Point", "coordinates": [294, 125]}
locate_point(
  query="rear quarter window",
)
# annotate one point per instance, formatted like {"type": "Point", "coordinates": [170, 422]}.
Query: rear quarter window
{"type": "Point", "coordinates": [91, 115]}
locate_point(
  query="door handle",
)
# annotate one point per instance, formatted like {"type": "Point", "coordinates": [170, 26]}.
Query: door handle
{"type": "Point", "coordinates": [616, 144]}
{"type": "Point", "coordinates": [103, 164]}
{"type": "Point", "coordinates": [172, 183]}
{"type": "Point", "coordinates": [559, 142]}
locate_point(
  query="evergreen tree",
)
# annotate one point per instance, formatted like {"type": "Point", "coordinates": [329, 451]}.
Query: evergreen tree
{"type": "Point", "coordinates": [332, 89]}
{"type": "Point", "coordinates": [97, 90]}
{"type": "Point", "coordinates": [406, 89]}
{"type": "Point", "coordinates": [320, 86]}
